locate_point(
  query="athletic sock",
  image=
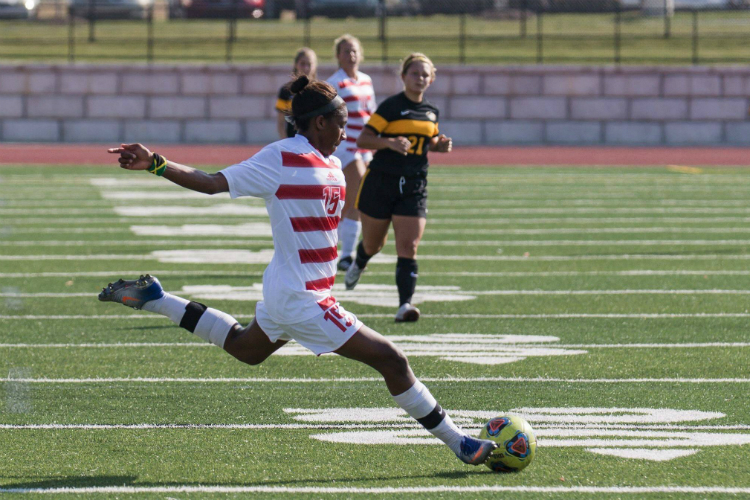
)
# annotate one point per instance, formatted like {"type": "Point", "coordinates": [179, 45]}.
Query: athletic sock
{"type": "Point", "coordinates": [209, 324]}
{"type": "Point", "coordinates": [362, 258]}
{"type": "Point", "coordinates": [406, 279]}
{"type": "Point", "coordinates": [349, 234]}
{"type": "Point", "coordinates": [422, 406]}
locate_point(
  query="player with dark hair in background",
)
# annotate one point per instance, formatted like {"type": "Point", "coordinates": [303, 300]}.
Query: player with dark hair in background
{"type": "Point", "coordinates": [304, 191]}
{"type": "Point", "coordinates": [394, 188]}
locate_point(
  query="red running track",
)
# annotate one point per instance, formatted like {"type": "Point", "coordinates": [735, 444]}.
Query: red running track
{"type": "Point", "coordinates": [88, 154]}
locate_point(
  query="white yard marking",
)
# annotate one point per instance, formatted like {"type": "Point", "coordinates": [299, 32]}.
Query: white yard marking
{"type": "Point", "coordinates": [224, 256]}
{"type": "Point", "coordinates": [487, 274]}
{"type": "Point", "coordinates": [218, 210]}
{"type": "Point", "coordinates": [601, 230]}
{"type": "Point", "coordinates": [255, 229]}
{"type": "Point", "coordinates": [424, 316]}
{"type": "Point", "coordinates": [389, 490]}
{"type": "Point", "coordinates": [632, 443]}
{"type": "Point", "coordinates": [517, 340]}
{"type": "Point", "coordinates": [234, 380]}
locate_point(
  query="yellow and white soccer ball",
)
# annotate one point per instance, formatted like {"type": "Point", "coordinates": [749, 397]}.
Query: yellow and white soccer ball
{"type": "Point", "coordinates": [516, 443]}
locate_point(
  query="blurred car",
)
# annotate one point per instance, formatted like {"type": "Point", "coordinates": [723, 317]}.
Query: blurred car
{"type": "Point", "coordinates": [217, 9]}
{"type": "Point", "coordinates": [343, 8]}
{"type": "Point", "coordinates": [18, 9]}
{"type": "Point", "coordinates": [428, 7]}
{"type": "Point", "coordinates": [110, 9]}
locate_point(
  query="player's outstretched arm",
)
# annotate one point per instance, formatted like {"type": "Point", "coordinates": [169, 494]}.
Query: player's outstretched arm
{"type": "Point", "coordinates": [138, 157]}
{"type": "Point", "coordinates": [441, 144]}
{"type": "Point", "coordinates": [368, 139]}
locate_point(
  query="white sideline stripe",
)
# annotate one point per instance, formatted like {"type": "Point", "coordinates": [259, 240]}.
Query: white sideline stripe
{"type": "Point", "coordinates": [207, 426]}
{"type": "Point", "coordinates": [489, 274]}
{"type": "Point", "coordinates": [669, 427]}
{"type": "Point", "coordinates": [604, 230]}
{"type": "Point", "coordinates": [426, 316]}
{"type": "Point", "coordinates": [159, 380]}
{"type": "Point", "coordinates": [712, 291]}
{"type": "Point", "coordinates": [690, 345]}
{"type": "Point", "coordinates": [470, 220]}
{"type": "Point", "coordinates": [499, 258]}
{"type": "Point", "coordinates": [597, 490]}
{"type": "Point", "coordinates": [441, 243]}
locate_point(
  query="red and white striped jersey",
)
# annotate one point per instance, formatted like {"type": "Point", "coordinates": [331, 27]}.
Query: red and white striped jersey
{"type": "Point", "coordinates": [360, 102]}
{"type": "Point", "coordinates": [304, 193]}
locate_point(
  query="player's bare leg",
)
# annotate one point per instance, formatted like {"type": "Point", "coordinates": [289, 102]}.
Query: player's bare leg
{"type": "Point", "coordinates": [350, 226]}
{"type": "Point", "coordinates": [408, 232]}
{"type": "Point", "coordinates": [374, 236]}
{"type": "Point", "coordinates": [371, 348]}
{"type": "Point", "coordinates": [250, 345]}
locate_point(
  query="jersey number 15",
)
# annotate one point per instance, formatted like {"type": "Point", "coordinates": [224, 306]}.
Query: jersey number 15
{"type": "Point", "coordinates": [332, 197]}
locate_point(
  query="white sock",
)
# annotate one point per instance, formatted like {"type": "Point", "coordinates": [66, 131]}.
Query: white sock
{"type": "Point", "coordinates": [349, 235]}
{"type": "Point", "coordinates": [208, 323]}
{"type": "Point", "coordinates": [171, 306]}
{"type": "Point", "coordinates": [422, 406]}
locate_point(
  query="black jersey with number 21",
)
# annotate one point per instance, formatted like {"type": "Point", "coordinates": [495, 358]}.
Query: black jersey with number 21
{"type": "Point", "coordinates": [417, 121]}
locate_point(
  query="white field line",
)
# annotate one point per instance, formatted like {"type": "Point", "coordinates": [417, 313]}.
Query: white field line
{"type": "Point", "coordinates": [299, 380]}
{"type": "Point", "coordinates": [389, 490]}
{"type": "Point", "coordinates": [713, 291]}
{"type": "Point", "coordinates": [468, 210]}
{"type": "Point", "coordinates": [425, 316]}
{"type": "Point", "coordinates": [588, 202]}
{"type": "Point", "coordinates": [344, 426]}
{"type": "Point", "coordinates": [437, 243]}
{"type": "Point", "coordinates": [691, 345]}
{"type": "Point", "coordinates": [479, 274]}
{"type": "Point", "coordinates": [348, 426]}
{"type": "Point", "coordinates": [454, 258]}
{"type": "Point", "coordinates": [469, 219]}
{"type": "Point", "coordinates": [573, 230]}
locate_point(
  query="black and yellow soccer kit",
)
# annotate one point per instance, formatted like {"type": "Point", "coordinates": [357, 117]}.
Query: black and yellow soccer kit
{"type": "Point", "coordinates": [284, 105]}
{"type": "Point", "coordinates": [395, 184]}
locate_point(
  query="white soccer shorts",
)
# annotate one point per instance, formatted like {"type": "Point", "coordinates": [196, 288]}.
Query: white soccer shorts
{"type": "Point", "coordinates": [347, 157]}
{"type": "Point", "coordinates": [323, 333]}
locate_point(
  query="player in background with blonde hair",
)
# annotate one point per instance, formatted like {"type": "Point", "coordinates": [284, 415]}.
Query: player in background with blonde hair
{"type": "Point", "coordinates": [305, 63]}
{"type": "Point", "coordinates": [356, 89]}
{"type": "Point", "coordinates": [394, 188]}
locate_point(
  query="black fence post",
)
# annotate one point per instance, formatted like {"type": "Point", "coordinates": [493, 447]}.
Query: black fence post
{"type": "Point", "coordinates": [382, 32]}
{"type": "Point", "coordinates": [695, 36]}
{"type": "Point", "coordinates": [618, 33]}
{"type": "Point", "coordinates": [307, 41]}
{"type": "Point", "coordinates": [91, 16]}
{"type": "Point", "coordinates": [150, 35]}
{"type": "Point", "coordinates": [71, 38]}
{"type": "Point", "coordinates": [539, 38]}
{"type": "Point", "coordinates": [667, 20]}
{"type": "Point", "coordinates": [462, 38]}
{"type": "Point", "coordinates": [522, 18]}
{"type": "Point", "coordinates": [231, 28]}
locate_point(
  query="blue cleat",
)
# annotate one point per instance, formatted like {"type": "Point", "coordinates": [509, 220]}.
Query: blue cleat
{"type": "Point", "coordinates": [133, 293]}
{"type": "Point", "coordinates": [475, 451]}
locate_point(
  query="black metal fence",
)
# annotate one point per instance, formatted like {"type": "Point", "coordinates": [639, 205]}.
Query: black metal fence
{"type": "Point", "coordinates": [461, 31]}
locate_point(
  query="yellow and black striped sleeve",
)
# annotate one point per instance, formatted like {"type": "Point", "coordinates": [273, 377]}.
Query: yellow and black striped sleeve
{"type": "Point", "coordinates": [377, 123]}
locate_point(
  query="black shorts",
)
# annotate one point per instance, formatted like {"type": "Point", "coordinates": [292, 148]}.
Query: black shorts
{"type": "Point", "coordinates": [380, 195]}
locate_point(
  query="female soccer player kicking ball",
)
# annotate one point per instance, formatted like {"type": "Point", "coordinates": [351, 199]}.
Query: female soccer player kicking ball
{"type": "Point", "coordinates": [304, 190]}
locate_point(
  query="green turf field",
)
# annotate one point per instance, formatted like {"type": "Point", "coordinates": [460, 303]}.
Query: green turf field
{"type": "Point", "coordinates": [566, 38]}
{"type": "Point", "coordinates": [608, 306]}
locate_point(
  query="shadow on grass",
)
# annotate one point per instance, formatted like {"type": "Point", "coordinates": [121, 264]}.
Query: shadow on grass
{"type": "Point", "coordinates": [116, 481]}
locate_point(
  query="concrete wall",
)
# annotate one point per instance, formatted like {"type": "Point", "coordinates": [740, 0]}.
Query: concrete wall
{"type": "Point", "coordinates": [479, 105]}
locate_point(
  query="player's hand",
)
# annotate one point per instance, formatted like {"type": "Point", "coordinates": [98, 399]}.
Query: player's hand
{"type": "Point", "coordinates": [399, 144]}
{"type": "Point", "coordinates": [444, 144]}
{"type": "Point", "coordinates": [133, 156]}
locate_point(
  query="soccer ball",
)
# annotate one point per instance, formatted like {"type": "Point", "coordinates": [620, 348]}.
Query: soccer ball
{"type": "Point", "coordinates": [516, 443]}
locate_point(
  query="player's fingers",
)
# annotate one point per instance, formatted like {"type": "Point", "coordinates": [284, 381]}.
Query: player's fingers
{"type": "Point", "coordinates": [114, 150]}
